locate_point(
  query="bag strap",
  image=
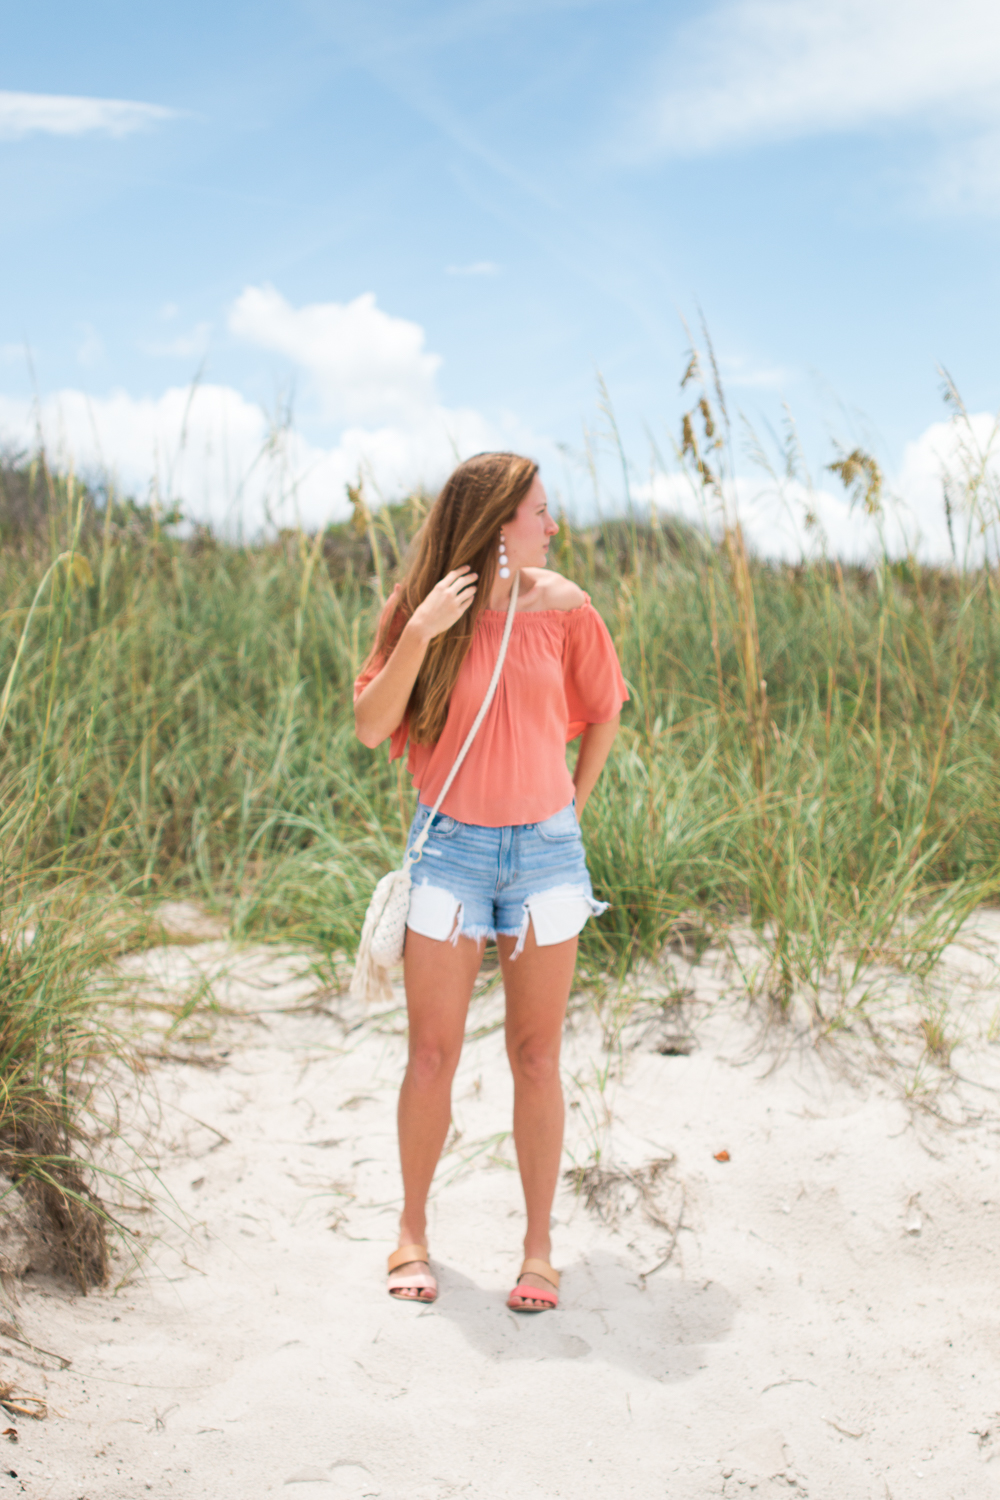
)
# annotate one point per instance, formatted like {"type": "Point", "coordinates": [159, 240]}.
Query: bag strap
{"type": "Point", "coordinates": [421, 839]}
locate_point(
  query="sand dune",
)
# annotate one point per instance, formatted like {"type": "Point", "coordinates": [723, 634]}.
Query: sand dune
{"type": "Point", "coordinates": [818, 1315]}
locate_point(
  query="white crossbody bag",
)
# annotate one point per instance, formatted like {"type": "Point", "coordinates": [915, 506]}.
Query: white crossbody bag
{"type": "Point", "coordinates": [384, 927]}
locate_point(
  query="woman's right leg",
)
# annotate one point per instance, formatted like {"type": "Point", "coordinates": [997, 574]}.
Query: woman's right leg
{"type": "Point", "coordinates": [439, 977]}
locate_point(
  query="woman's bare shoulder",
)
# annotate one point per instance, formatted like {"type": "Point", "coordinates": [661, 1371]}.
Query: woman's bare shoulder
{"type": "Point", "coordinates": [552, 591]}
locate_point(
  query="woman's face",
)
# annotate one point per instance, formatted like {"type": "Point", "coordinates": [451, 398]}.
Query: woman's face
{"type": "Point", "coordinates": [527, 536]}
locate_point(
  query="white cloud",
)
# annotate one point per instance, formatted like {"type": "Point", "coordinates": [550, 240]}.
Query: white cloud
{"type": "Point", "coordinates": [367, 366]}
{"type": "Point", "coordinates": [64, 114]}
{"type": "Point", "coordinates": [774, 524]}
{"type": "Point", "coordinates": [478, 268]}
{"type": "Point", "coordinates": [216, 453]}
{"type": "Point", "coordinates": [961, 458]}
{"type": "Point", "coordinates": [957, 456]}
{"type": "Point", "coordinates": [752, 70]}
{"type": "Point", "coordinates": [197, 444]}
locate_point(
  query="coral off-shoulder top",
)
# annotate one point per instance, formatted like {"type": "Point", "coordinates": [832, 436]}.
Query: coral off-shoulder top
{"type": "Point", "coordinates": [560, 674]}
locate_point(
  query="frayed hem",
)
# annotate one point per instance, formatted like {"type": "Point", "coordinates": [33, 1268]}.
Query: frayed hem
{"type": "Point", "coordinates": [556, 915]}
{"type": "Point", "coordinates": [478, 934]}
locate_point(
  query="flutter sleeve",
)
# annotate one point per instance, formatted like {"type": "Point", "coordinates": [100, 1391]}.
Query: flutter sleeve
{"type": "Point", "coordinates": [373, 666]}
{"type": "Point", "coordinates": [592, 677]}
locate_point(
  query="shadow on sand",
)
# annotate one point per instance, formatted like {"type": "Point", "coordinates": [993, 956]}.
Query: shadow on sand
{"type": "Point", "coordinates": [658, 1331]}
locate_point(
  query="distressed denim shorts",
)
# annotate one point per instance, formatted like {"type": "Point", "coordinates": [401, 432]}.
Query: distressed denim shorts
{"type": "Point", "coordinates": [479, 881]}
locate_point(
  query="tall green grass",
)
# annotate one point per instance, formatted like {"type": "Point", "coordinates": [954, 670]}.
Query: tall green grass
{"type": "Point", "coordinates": [808, 749]}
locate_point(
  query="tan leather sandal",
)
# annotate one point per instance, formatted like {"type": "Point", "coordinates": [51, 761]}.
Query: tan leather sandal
{"type": "Point", "coordinates": [421, 1282]}
{"type": "Point", "coordinates": [535, 1293]}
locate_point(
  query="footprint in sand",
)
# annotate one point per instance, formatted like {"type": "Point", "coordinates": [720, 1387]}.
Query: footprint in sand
{"type": "Point", "coordinates": [344, 1478]}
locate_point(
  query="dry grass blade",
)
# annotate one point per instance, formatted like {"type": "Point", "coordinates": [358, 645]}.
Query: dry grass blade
{"type": "Point", "coordinates": [9, 1331]}
{"type": "Point", "coordinates": [34, 1407]}
{"type": "Point", "coordinates": [611, 1193]}
{"type": "Point", "coordinates": [36, 1155]}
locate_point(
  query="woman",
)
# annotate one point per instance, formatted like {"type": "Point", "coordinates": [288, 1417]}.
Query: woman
{"type": "Point", "coordinates": [504, 858]}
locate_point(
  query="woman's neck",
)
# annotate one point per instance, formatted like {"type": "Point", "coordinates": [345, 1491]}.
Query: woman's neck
{"type": "Point", "coordinates": [502, 589]}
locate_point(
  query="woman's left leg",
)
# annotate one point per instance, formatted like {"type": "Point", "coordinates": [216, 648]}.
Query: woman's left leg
{"type": "Point", "coordinates": [537, 985]}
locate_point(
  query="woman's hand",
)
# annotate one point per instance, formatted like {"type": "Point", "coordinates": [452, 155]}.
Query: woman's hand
{"type": "Point", "coordinates": [380, 708]}
{"type": "Point", "coordinates": [446, 603]}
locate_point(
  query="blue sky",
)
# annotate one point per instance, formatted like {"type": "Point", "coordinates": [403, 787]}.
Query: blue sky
{"type": "Point", "coordinates": [520, 193]}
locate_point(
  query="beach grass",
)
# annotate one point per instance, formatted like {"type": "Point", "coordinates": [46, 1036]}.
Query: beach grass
{"type": "Point", "coordinates": [808, 751]}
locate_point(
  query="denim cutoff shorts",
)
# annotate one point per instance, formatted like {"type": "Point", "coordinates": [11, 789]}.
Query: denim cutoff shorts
{"type": "Point", "coordinates": [478, 881]}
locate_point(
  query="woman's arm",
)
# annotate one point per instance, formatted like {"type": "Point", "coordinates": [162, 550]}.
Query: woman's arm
{"type": "Point", "coordinates": [380, 708]}
{"type": "Point", "coordinates": [595, 746]}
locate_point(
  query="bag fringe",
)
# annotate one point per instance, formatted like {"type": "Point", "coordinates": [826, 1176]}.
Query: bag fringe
{"type": "Point", "coordinates": [370, 980]}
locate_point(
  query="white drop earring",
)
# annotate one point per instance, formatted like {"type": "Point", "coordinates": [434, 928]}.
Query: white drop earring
{"type": "Point", "coordinates": [504, 565]}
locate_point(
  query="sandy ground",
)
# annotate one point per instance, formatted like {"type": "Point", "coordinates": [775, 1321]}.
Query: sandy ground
{"type": "Point", "coordinates": [818, 1315]}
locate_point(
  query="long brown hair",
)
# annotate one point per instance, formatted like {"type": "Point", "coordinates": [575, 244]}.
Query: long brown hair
{"type": "Point", "coordinates": [462, 528]}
